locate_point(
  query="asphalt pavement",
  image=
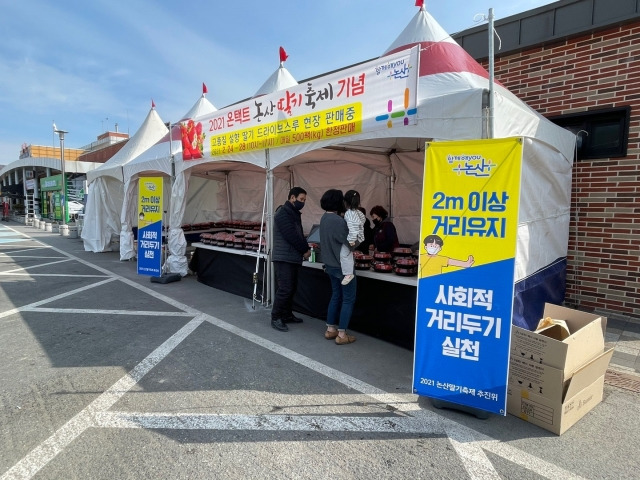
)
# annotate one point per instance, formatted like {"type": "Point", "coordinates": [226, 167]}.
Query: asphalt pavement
{"type": "Point", "coordinates": [105, 374]}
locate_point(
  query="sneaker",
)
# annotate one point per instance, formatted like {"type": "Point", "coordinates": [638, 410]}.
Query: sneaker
{"type": "Point", "coordinates": [345, 340]}
{"type": "Point", "coordinates": [292, 319]}
{"type": "Point", "coordinates": [278, 324]}
{"type": "Point", "coordinates": [347, 279]}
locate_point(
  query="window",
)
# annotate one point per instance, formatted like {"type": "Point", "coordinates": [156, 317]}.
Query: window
{"type": "Point", "coordinates": [600, 133]}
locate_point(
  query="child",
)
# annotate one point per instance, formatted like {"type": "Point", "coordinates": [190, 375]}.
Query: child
{"type": "Point", "coordinates": [434, 263]}
{"type": "Point", "coordinates": [355, 221]}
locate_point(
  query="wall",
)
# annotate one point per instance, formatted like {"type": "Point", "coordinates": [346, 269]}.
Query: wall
{"type": "Point", "coordinates": [37, 151]}
{"type": "Point", "coordinates": [592, 71]}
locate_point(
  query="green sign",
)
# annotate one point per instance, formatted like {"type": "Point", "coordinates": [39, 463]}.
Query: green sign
{"type": "Point", "coordinates": [51, 184]}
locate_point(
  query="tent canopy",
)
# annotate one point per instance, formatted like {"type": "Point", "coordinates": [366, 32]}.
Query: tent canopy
{"type": "Point", "coordinates": [383, 160]}
{"type": "Point", "coordinates": [106, 187]}
{"type": "Point", "coordinates": [151, 130]}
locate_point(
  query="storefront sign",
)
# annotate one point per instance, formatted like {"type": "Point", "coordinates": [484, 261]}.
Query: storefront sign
{"type": "Point", "coordinates": [380, 94]}
{"type": "Point", "coordinates": [469, 229]}
{"type": "Point", "coordinates": [150, 226]}
{"type": "Point", "coordinates": [51, 184]}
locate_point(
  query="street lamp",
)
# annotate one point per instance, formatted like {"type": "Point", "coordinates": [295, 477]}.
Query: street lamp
{"type": "Point", "coordinates": [64, 179]}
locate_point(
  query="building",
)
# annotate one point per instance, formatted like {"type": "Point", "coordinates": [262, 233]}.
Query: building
{"type": "Point", "coordinates": [20, 181]}
{"type": "Point", "coordinates": [577, 63]}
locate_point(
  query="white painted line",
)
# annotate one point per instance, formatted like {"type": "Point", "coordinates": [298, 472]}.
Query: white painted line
{"type": "Point", "coordinates": [47, 450]}
{"type": "Point", "coordinates": [473, 458]}
{"type": "Point", "coordinates": [7, 274]}
{"type": "Point", "coordinates": [24, 249]}
{"type": "Point", "coordinates": [90, 311]}
{"type": "Point", "coordinates": [468, 443]}
{"type": "Point", "coordinates": [148, 291]}
{"type": "Point", "coordinates": [37, 266]}
{"type": "Point", "coordinates": [283, 422]}
{"type": "Point", "coordinates": [27, 256]}
{"type": "Point", "coordinates": [528, 461]}
{"type": "Point", "coordinates": [55, 297]}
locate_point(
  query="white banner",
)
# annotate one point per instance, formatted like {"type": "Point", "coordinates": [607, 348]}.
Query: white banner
{"type": "Point", "coordinates": [378, 94]}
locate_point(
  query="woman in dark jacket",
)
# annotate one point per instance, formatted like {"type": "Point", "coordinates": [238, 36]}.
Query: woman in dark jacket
{"type": "Point", "coordinates": [385, 237]}
{"type": "Point", "coordinates": [333, 234]}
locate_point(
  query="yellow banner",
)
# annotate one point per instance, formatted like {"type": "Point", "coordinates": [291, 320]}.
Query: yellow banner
{"type": "Point", "coordinates": [312, 127]}
{"type": "Point", "coordinates": [468, 187]}
{"type": "Point", "coordinates": [149, 201]}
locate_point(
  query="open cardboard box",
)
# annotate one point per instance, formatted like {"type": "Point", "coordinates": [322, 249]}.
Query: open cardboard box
{"type": "Point", "coordinates": [585, 342]}
{"type": "Point", "coordinates": [567, 401]}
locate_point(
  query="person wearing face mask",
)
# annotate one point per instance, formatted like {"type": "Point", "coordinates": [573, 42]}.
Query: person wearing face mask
{"type": "Point", "coordinates": [290, 247]}
{"type": "Point", "coordinates": [385, 237]}
{"type": "Point", "coordinates": [433, 263]}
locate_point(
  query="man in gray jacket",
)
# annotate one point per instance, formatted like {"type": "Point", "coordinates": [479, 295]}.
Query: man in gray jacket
{"type": "Point", "coordinates": [290, 247]}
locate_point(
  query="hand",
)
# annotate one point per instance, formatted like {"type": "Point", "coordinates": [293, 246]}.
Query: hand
{"type": "Point", "coordinates": [306, 255]}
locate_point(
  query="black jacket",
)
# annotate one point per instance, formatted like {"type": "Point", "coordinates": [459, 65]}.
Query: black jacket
{"type": "Point", "coordinates": [385, 237]}
{"type": "Point", "coordinates": [289, 243]}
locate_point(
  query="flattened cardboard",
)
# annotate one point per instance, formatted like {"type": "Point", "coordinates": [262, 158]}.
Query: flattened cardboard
{"type": "Point", "coordinates": [585, 342]}
{"type": "Point", "coordinates": [582, 392]}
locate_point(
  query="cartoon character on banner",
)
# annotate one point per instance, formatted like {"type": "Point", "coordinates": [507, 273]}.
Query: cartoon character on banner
{"type": "Point", "coordinates": [434, 263]}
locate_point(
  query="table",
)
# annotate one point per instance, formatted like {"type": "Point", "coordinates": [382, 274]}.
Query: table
{"type": "Point", "coordinates": [227, 269]}
{"type": "Point", "coordinates": [385, 302]}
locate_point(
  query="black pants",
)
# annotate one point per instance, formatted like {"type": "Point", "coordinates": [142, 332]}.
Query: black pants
{"type": "Point", "coordinates": [287, 281]}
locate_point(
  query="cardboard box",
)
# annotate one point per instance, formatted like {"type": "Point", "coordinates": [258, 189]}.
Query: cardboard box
{"type": "Point", "coordinates": [537, 378]}
{"type": "Point", "coordinates": [580, 393]}
{"type": "Point", "coordinates": [584, 344]}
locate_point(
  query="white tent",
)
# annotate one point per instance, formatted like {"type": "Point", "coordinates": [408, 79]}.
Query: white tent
{"type": "Point", "coordinates": [248, 192]}
{"type": "Point", "coordinates": [279, 80]}
{"type": "Point", "coordinates": [386, 164]}
{"type": "Point", "coordinates": [106, 187]}
{"type": "Point", "coordinates": [156, 160]}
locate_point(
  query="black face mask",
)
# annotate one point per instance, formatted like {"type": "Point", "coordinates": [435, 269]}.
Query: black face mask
{"type": "Point", "coordinates": [298, 205]}
{"type": "Point", "coordinates": [377, 222]}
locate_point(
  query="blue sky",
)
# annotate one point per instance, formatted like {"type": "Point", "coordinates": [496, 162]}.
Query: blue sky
{"type": "Point", "coordinates": [88, 65]}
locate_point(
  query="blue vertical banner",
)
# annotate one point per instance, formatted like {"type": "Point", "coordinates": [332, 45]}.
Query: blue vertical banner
{"type": "Point", "coordinates": [468, 233]}
{"type": "Point", "coordinates": [150, 226]}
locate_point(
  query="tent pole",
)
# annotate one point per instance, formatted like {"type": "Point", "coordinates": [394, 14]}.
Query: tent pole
{"type": "Point", "coordinates": [226, 182]}
{"type": "Point", "coordinates": [271, 285]}
{"type": "Point", "coordinates": [491, 74]}
{"type": "Point", "coordinates": [255, 274]}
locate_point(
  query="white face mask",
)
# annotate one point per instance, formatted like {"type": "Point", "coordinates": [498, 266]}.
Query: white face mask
{"type": "Point", "coordinates": [432, 250]}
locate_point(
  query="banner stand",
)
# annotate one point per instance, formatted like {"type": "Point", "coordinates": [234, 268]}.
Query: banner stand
{"type": "Point", "coordinates": [478, 413]}
{"type": "Point", "coordinates": [470, 208]}
{"type": "Point", "coordinates": [164, 276]}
